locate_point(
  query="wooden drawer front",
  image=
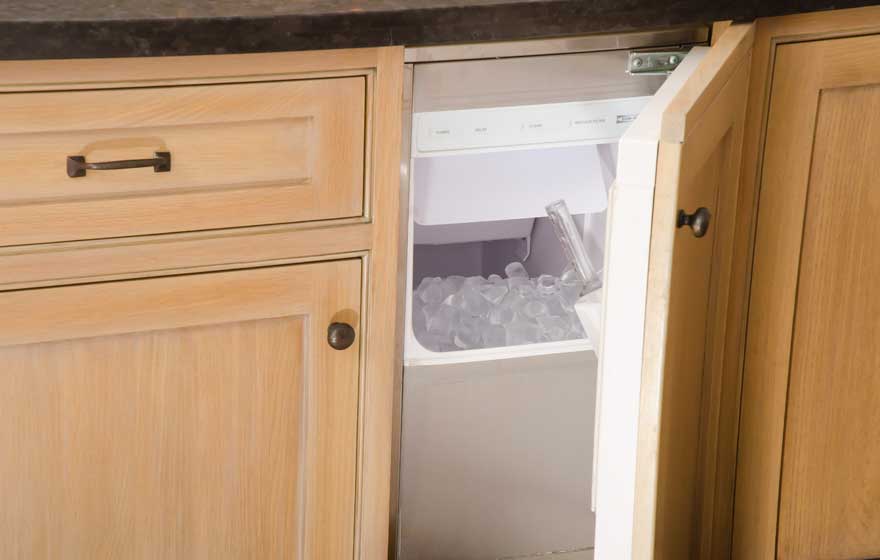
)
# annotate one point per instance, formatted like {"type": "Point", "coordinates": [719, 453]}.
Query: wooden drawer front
{"type": "Point", "coordinates": [241, 154]}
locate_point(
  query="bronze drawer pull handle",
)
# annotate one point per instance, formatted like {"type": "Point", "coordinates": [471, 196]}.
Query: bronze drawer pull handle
{"type": "Point", "coordinates": [77, 166]}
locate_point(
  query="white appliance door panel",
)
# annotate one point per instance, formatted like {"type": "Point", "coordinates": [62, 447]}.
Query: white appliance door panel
{"type": "Point", "coordinates": [623, 320]}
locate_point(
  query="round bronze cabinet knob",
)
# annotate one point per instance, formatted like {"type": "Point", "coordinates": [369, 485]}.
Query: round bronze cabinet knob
{"type": "Point", "coordinates": [340, 335]}
{"type": "Point", "coordinates": [698, 221]}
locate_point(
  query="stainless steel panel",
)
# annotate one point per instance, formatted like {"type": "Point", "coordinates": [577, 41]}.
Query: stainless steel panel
{"type": "Point", "coordinates": [537, 47]}
{"type": "Point", "coordinates": [497, 458]}
{"type": "Point", "coordinates": [402, 295]}
{"type": "Point", "coordinates": [525, 81]}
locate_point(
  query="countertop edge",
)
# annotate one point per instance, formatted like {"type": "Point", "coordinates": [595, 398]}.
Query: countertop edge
{"type": "Point", "coordinates": [109, 38]}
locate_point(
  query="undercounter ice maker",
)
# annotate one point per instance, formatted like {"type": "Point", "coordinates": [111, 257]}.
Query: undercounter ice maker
{"type": "Point", "coordinates": [497, 431]}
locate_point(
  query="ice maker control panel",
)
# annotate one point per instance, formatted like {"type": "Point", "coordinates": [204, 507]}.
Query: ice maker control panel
{"type": "Point", "coordinates": [473, 129]}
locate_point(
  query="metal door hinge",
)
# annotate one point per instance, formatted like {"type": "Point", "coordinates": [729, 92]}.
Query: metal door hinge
{"type": "Point", "coordinates": [648, 63]}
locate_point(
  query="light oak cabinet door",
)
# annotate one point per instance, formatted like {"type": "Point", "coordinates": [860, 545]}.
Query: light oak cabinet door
{"type": "Point", "coordinates": [199, 416]}
{"type": "Point", "coordinates": [688, 292]}
{"type": "Point", "coordinates": [808, 484]}
{"type": "Point", "coordinates": [678, 503]}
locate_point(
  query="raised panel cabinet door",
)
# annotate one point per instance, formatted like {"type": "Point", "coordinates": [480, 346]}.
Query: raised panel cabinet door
{"type": "Point", "coordinates": [809, 482]}
{"type": "Point", "coordinates": [200, 416]}
{"type": "Point", "coordinates": [684, 485]}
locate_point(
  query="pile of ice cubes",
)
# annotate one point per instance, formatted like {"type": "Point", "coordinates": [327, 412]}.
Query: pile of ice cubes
{"type": "Point", "coordinates": [458, 313]}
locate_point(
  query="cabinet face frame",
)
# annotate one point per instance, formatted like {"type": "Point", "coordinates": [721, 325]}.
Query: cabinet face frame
{"type": "Point", "coordinates": [373, 237]}
{"type": "Point", "coordinates": [762, 404]}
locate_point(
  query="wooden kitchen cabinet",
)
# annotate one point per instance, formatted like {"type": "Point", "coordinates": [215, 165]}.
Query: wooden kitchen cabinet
{"type": "Point", "coordinates": [758, 432]}
{"type": "Point", "coordinates": [168, 386]}
{"type": "Point", "coordinates": [809, 451]}
{"type": "Point", "coordinates": [193, 416]}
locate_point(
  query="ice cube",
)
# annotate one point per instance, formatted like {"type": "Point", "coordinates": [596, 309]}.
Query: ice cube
{"type": "Point", "coordinates": [458, 313]}
{"type": "Point", "coordinates": [470, 301]}
{"type": "Point", "coordinates": [451, 285]}
{"type": "Point", "coordinates": [494, 335]}
{"type": "Point", "coordinates": [522, 332]}
{"type": "Point", "coordinates": [554, 328]}
{"type": "Point", "coordinates": [440, 318]}
{"type": "Point", "coordinates": [555, 306]}
{"type": "Point", "coordinates": [512, 300]}
{"type": "Point", "coordinates": [517, 282]}
{"type": "Point", "coordinates": [525, 290]}
{"type": "Point", "coordinates": [493, 293]}
{"type": "Point", "coordinates": [436, 343]}
{"type": "Point", "coordinates": [500, 315]}
{"type": "Point", "coordinates": [430, 290]}
{"type": "Point", "coordinates": [469, 333]}
{"type": "Point", "coordinates": [516, 270]}
{"type": "Point", "coordinates": [547, 284]}
{"type": "Point", "coordinates": [419, 323]}
{"type": "Point", "coordinates": [534, 308]}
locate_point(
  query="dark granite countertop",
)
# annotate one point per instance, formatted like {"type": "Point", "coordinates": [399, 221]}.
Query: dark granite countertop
{"type": "Point", "coordinates": [94, 28]}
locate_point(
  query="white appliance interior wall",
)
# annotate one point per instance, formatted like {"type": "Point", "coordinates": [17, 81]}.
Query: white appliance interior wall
{"type": "Point", "coordinates": [490, 257]}
{"type": "Point", "coordinates": [544, 256]}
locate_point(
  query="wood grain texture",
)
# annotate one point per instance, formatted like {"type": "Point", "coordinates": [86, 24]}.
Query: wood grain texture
{"type": "Point", "coordinates": [775, 160]}
{"type": "Point", "coordinates": [118, 264]}
{"type": "Point", "coordinates": [223, 426]}
{"type": "Point", "coordinates": [718, 29]}
{"type": "Point", "coordinates": [696, 96]}
{"type": "Point", "coordinates": [157, 255]}
{"type": "Point", "coordinates": [158, 444]}
{"type": "Point", "coordinates": [383, 361]}
{"type": "Point", "coordinates": [49, 75]}
{"type": "Point", "coordinates": [804, 74]}
{"type": "Point", "coordinates": [830, 495]}
{"type": "Point", "coordinates": [677, 476]}
{"type": "Point", "coordinates": [766, 360]}
{"type": "Point", "coordinates": [241, 154]}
